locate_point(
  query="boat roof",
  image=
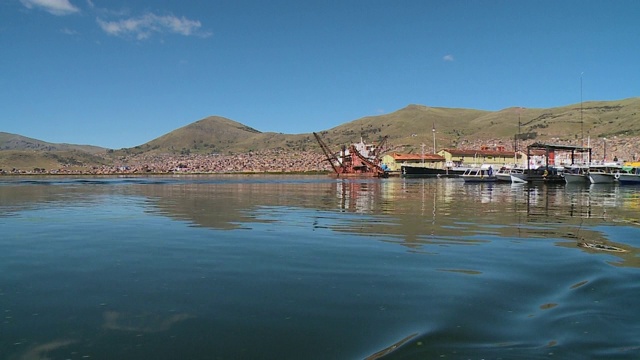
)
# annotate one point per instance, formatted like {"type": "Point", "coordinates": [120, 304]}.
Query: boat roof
{"type": "Point", "coordinates": [541, 146]}
{"type": "Point", "coordinates": [432, 157]}
{"type": "Point", "coordinates": [473, 152]}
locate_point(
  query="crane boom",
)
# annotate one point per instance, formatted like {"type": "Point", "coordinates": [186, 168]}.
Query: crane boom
{"type": "Point", "coordinates": [327, 152]}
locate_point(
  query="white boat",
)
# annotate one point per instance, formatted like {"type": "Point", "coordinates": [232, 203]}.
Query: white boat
{"type": "Point", "coordinates": [605, 173]}
{"type": "Point", "coordinates": [482, 174]}
{"type": "Point", "coordinates": [504, 174]}
{"type": "Point", "coordinates": [518, 178]}
{"type": "Point", "coordinates": [576, 174]}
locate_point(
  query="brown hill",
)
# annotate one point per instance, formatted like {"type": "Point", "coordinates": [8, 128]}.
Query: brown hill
{"type": "Point", "coordinates": [40, 160]}
{"type": "Point", "coordinates": [413, 125]}
{"type": "Point", "coordinates": [406, 129]}
{"type": "Point", "coordinates": [217, 134]}
{"type": "Point", "coordinates": [18, 142]}
{"type": "Point", "coordinates": [25, 153]}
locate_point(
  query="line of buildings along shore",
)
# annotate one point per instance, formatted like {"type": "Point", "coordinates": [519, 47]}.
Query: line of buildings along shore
{"type": "Point", "coordinates": [449, 159]}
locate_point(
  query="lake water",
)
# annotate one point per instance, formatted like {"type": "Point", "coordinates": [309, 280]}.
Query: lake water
{"type": "Point", "coordinates": [288, 267]}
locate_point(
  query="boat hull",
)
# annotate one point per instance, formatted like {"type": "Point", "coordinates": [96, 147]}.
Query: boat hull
{"type": "Point", "coordinates": [601, 178]}
{"type": "Point", "coordinates": [418, 171]}
{"type": "Point", "coordinates": [478, 179]}
{"type": "Point", "coordinates": [629, 179]}
{"type": "Point", "coordinates": [538, 176]}
{"type": "Point", "coordinates": [519, 178]}
{"type": "Point", "coordinates": [576, 178]}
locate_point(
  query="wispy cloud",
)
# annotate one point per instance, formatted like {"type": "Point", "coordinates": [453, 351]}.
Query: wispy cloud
{"type": "Point", "coordinates": [448, 57]}
{"type": "Point", "coordinates": [146, 25]}
{"type": "Point", "coordinates": [55, 7]}
{"type": "Point", "coordinates": [68, 31]}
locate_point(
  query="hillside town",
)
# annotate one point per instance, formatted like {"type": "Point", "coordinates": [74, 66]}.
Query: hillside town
{"type": "Point", "coordinates": [282, 161]}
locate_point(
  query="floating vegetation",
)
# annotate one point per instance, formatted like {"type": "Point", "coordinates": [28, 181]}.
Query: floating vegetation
{"type": "Point", "coordinates": [548, 306]}
{"type": "Point", "coordinates": [601, 247]}
{"type": "Point", "coordinates": [575, 286]}
{"type": "Point", "coordinates": [463, 271]}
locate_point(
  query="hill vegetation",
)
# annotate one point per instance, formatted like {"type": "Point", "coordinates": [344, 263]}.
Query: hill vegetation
{"type": "Point", "coordinates": [21, 152]}
{"type": "Point", "coordinates": [412, 126]}
{"type": "Point", "coordinates": [406, 130]}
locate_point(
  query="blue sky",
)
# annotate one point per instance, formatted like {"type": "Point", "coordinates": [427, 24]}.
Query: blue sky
{"type": "Point", "coordinates": [121, 73]}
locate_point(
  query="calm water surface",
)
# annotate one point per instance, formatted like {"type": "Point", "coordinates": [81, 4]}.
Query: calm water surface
{"type": "Point", "coordinates": [252, 267]}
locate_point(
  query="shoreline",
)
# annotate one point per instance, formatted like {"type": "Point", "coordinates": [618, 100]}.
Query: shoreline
{"type": "Point", "coordinates": [276, 162]}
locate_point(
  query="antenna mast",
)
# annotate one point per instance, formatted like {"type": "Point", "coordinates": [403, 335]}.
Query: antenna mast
{"type": "Point", "coordinates": [433, 130]}
{"type": "Point", "coordinates": [581, 122]}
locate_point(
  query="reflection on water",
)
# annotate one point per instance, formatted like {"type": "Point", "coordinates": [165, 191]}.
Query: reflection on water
{"type": "Point", "coordinates": [287, 267]}
{"type": "Point", "coordinates": [141, 323]}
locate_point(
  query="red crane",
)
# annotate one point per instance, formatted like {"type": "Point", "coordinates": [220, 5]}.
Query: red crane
{"type": "Point", "coordinates": [351, 162]}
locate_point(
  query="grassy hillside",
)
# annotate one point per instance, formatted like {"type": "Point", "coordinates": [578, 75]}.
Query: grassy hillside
{"type": "Point", "coordinates": [18, 142]}
{"type": "Point", "coordinates": [412, 126]}
{"type": "Point", "coordinates": [30, 160]}
{"type": "Point", "coordinates": [216, 134]}
{"type": "Point", "coordinates": [406, 130]}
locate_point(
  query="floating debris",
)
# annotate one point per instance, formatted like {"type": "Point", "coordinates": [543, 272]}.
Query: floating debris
{"type": "Point", "coordinates": [601, 247]}
{"type": "Point", "coordinates": [584, 282]}
{"type": "Point", "coordinates": [548, 306]}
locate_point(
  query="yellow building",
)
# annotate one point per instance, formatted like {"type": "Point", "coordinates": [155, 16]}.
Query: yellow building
{"type": "Point", "coordinates": [497, 157]}
{"type": "Point", "coordinates": [395, 160]}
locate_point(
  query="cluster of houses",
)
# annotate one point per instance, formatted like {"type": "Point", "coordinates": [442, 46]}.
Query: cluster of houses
{"type": "Point", "coordinates": [496, 156]}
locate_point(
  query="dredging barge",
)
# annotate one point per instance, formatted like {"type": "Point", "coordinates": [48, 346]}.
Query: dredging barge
{"type": "Point", "coordinates": [356, 160]}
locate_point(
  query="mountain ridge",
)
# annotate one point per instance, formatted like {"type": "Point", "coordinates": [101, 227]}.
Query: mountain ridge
{"type": "Point", "coordinates": [406, 129]}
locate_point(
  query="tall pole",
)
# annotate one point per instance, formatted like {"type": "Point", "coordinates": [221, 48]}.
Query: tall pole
{"type": "Point", "coordinates": [519, 130]}
{"type": "Point", "coordinates": [581, 122]}
{"type": "Point", "coordinates": [515, 155]}
{"type": "Point", "coordinates": [433, 130]}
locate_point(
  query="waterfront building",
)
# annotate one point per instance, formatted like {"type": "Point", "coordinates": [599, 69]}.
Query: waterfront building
{"type": "Point", "coordinates": [396, 160]}
{"type": "Point", "coordinates": [496, 157]}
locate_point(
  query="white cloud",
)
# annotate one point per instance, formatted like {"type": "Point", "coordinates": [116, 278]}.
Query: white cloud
{"type": "Point", "coordinates": [68, 31]}
{"type": "Point", "coordinates": [144, 26]}
{"type": "Point", "coordinates": [448, 57]}
{"type": "Point", "coordinates": [55, 7]}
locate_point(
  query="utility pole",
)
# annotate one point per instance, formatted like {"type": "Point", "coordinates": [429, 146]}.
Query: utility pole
{"type": "Point", "coordinates": [433, 130]}
{"type": "Point", "coordinates": [581, 121]}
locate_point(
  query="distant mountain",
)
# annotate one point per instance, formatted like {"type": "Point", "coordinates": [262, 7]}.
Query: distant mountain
{"type": "Point", "coordinates": [217, 134]}
{"type": "Point", "coordinates": [413, 125]}
{"type": "Point", "coordinates": [407, 129]}
{"type": "Point", "coordinates": [17, 142]}
{"type": "Point", "coordinates": [25, 153]}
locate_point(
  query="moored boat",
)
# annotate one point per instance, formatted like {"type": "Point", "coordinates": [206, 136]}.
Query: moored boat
{"type": "Point", "coordinates": [576, 174]}
{"type": "Point", "coordinates": [504, 174]}
{"type": "Point", "coordinates": [630, 174]}
{"type": "Point", "coordinates": [422, 171]}
{"type": "Point", "coordinates": [629, 179]}
{"type": "Point", "coordinates": [606, 173]}
{"type": "Point", "coordinates": [481, 174]}
{"type": "Point", "coordinates": [544, 174]}
{"type": "Point", "coordinates": [518, 178]}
